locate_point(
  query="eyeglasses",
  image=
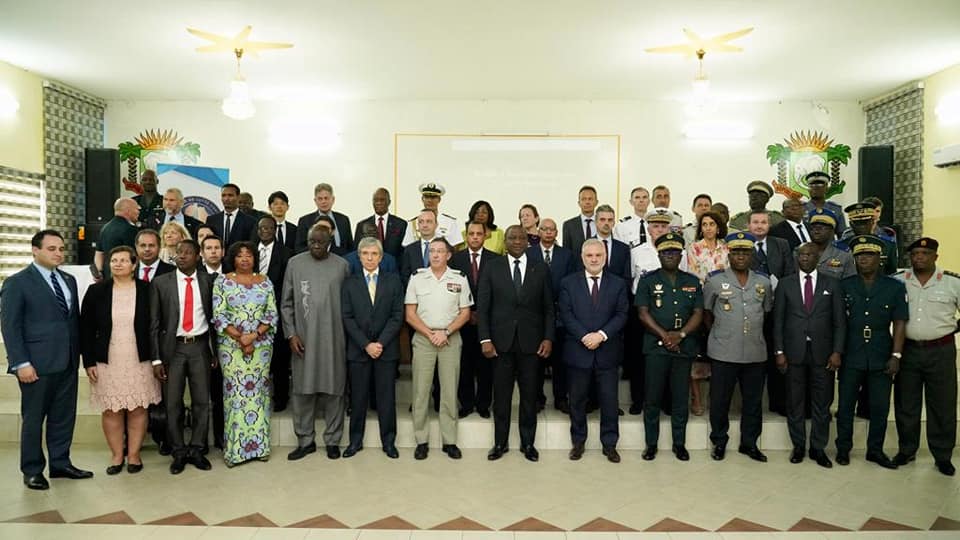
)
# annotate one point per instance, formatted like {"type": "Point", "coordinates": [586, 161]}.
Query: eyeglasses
{"type": "Point", "coordinates": [548, 229]}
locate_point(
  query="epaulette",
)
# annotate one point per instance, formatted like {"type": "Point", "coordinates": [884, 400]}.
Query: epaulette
{"type": "Point", "coordinates": [418, 270]}
{"type": "Point", "coordinates": [715, 272]}
{"type": "Point", "coordinates": [448, 215]}
{"type": "Point", "coordinates": [841, 245]}
{"type": "Point", "coordinates": [761, 273]}
{"type": "Point", "coordinates": [898, 272]}
{"type": "Point", "coordinates": [625, 219]}
{"type": "Point", "coordinates": [460, 272]}
{"type": "Point", "coordinates": [953, 274]}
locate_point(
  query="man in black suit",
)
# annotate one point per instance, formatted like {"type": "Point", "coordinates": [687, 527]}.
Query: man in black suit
{"type": "Point", "coordinates": [416, 255]}
{"type": "Point", "coordinates": [39, 317]}
{"type": "Point", "coordinates": [476, 372]}
{"type": "Point", "coordinates": [560, 261]}
{"type": "Point", "coordinates": [245, 204]}
{"type": "Point", "coordinates": [172, 211]}
{"type": "Point", "coordinates": [372, 304]}
{"type": "Point", "coordinates": [324, 199]}
{"type": "Point", "coordinates": [593, 306]}
{"type": "Point", "coordinates": [183, 350]}
{"type": "Point", "coordinates": [579, 228]}
{"type": "Point", "coordinates": [279, 203]}
{"type": "Point", "coordinates": [616, 253]}
{"type": "Point", "coordinates": [772, 256]}
{"type": "Point", "coordinates": [119, 231]}
{"type": "Point", "coordinates": [516, 329]}
{"type": "Point", "coordinates": [809, 334]}
{"type": "Point", "coordinates": [792, 228]}
{"type": "Point", "coordinates": [390, 228]}
{"type": "Point", "coordinates": [273, 264]}
{"type": "Point", "coordinates": [238, 225]}
{"type": "Point", "coordinates": [149, 265]}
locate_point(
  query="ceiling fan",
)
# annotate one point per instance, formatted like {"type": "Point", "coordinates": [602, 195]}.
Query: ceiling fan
{"type": "Point", "coordinates": [698, 46]}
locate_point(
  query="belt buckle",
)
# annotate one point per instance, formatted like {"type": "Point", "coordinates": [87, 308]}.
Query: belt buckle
{"type": "Point", "coordinates": [677, 323]}
{"type": "Point", "coordinates": [189, 339]}
{"type": "Point", "coordinates": [867, 332]}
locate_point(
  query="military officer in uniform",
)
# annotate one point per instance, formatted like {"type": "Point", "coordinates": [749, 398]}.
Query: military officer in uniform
{"type": "Point", "coordinates": [817, 184]}
{"type": "Point", "coordinates": [835, 261]}
{"type": "Point", "coordinates": [758, 195]}
{"type": "Point", "coordinates": [736, 301]}
{"type": "Point", "coordinates": [670, 303]}
{"type": "Point", "coordinates": [632, 229]}
{"type": "Point", "coordinates": [447, 225]}
{"type": "Point", "coordinates": [929, 364]}
{"type": "Point", "coordinates": [862, 217]}
{"type": "Point", "coordinates": [873, 354]}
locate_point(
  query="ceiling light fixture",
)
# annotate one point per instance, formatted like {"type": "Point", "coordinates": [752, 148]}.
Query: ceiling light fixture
{"type": "Point", "coordinates": [237, 104]}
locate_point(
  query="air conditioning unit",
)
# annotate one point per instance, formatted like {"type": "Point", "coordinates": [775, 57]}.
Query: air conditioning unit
{"type": "Point", "coordinates": [947, 156]}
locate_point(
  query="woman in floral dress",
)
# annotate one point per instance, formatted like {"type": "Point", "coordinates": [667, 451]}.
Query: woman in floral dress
{"type": "Point", "coordinates": [706, 254]}
{"type": "Point", "coordinates": [245, 317]}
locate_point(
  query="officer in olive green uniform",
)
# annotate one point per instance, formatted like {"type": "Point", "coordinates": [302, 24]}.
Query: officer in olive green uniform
{"type": "Point", "coordinates": [736, 301]}
{"type": "Point", "coordinates": [929, 358]}
{"type": "Point", "coordinates": [862, 216]}
{"type": "Point", "coordinates": [758, 195]}
{"type": "Point", "coordinates": [872, 355]}
{"type": "Point", "coordinates": [835, 260]}
{"type": "Point", "coordinates": [670, 303]}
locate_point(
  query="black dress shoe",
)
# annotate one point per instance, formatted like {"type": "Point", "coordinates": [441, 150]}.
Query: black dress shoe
{"type": "Point", "coordinates": [36, 481]}
{"type": "Point", "coordinates": [301, 451]}
{"type": "Point", "coordinates": [619, 411]}
{"type": "Point", "coordinates": [134, 468]}
{"type": "Point", "coordinates": [719, 452]}
{"type": "Point", "coordinates": [391, 452]}
{"type": "Point", "coordinates": [421, 451]}
{"type": "Point", "coordinates": [463, 413]}
{"type": "Point", "coordinates": [452, 451]}
{"type": "Point", "coordinates": [649, 454]}
{"type": "Point", "coordinates": [797, 455]}
{"type": "Point", "coordinates": [279, 407]}
{"type": "Point", "coordinates": [165, 449]}
{"type": "Point", "coordinates": [945, 467]}
{"type": "Point", "coordinates": [530, 453]}
{"type": "Point", "coordinates": [179, 462]}
{"type": "Point", "coordinates": [612, 455]}
{"type": "Point", "coordinates": [71, 472]}
{"type": "Point", "coordinates": [636, 408]}
{"type": "Point", "coordinates": [843, 457]}
{"type": "Point", "coordinates": [881, 459]}
{"type": "Point", "coordinates": [484, 413]}
{"type": "Point", "coordinates": [680, 451]}
{"type": "Point", "coordinates": [496, 452]}
{"type": "Point", "coordinates": [205, 449]}
{"type": "Point", "coordinates": [333, 451]}
{"type": "Point", "coordinates": [753, 453]}
{"type": "Point", "coordinates": [199, 461]}
{"type": "Point", "coordinates": [114, 469]}
{"type": "Point", "coordinates": [576, 452]}
{"type": "Point", "coordinates": [351, 451]}
{"type": "Point", "coordinates": [821, 458]}
{"type": "Point", "coordinates": [562, 405]}
{"type": "Point", "coordinates": [902, 459]}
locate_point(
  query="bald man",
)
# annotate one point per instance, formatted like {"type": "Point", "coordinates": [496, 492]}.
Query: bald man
{"type": "Point", "coordinates": [119, 231]}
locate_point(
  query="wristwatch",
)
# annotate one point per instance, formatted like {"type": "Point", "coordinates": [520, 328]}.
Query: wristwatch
{"type": "Point", "coordinates": [446, 331]}
{"type": "Point", "coordinates": [896, 355]}
{"type": "Point", "coordinates": [683, 335]}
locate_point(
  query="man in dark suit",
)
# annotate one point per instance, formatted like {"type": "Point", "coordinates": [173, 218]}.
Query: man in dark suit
{"type": "Point", "coordinates": [560, 261]}
{"type": "Point", "coordinates": [372, 305]}
{"type": "Point", "coordinates": [809, 333]}
{"type": "Point", "coordinates": [279, 203]}
{"type": "Point", "coordinates": [516, 329]}
{"type": "Point", "coordinates": [390, 229]}
{"type": "Point", "coordinates": [792, 228]}
{"type": "Point", "coordinates": [183, 350]}
{"type": "Point", "coordinates": [617, 253]}
{"type": "Point", "coordinates": [172, 211]}
{"type": "Point", "coordinates": [39, 317]}
{"type": "Point", "coordinates": [149, 265]}
{"type": "Point", "coordinates": [119, 231]}
{"type": "Point", "coordinates": [245, 204]}
{"type": "Point", "coordinates": [579, 228]}
{"type": "Point", "coordinates": [772, 256]}
{"type": "Point", "coordinates": [238, 225]}
{"type": "Point", "coordinates": [388, 263]}
{"type": "Point", "coordinates": [476, 372]}
{"type": "Point", "coordinates": [416, 255]}
{"type": "Point", "coordinates": [273, 258]}
{"type": "Point", "coordinates": [593, 307]}
{"type": "Point", "coordinates": [324, 199]}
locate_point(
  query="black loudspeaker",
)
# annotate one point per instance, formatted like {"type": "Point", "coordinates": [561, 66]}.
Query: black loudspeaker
{"type": "Point", "coordinates": [876, 177]}
{"type": "Point", "coordinates": [101, 169]}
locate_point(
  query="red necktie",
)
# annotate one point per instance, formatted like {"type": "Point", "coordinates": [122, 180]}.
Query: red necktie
{"type": "Point", "coordinates": [595, 290]}
{"type": "Point", "coordinates": [188, 306]}
{"type": "Point", "coordinates": [146, 273]}
{"type": "Point", "coordinates": [380, 228]}
{"type": "Point", "coordinates": [474, 269]}
{"type": "Point", "coordinates": [808, 294]}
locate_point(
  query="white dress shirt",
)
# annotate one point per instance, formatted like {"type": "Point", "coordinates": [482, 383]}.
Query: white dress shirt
{"type": "Point", "coordinates": [523, 266]}
{"type": "Point", "coordinates": [793, 227]}
{"type": "Point", "coordinates": [199, 318]}
{"type": "Point", "coordinates": [151, 274]}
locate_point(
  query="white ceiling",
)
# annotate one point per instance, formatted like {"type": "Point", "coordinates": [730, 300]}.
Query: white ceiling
{"type": "Point", "coordinates": [458, 49]}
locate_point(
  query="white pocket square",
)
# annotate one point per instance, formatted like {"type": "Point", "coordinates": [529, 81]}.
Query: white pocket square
{"type": "Point", "coordinates": [826, 293]}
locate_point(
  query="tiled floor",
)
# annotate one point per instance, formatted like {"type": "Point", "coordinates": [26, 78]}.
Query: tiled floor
{"type": "Point", "coordinates": [508, 499]}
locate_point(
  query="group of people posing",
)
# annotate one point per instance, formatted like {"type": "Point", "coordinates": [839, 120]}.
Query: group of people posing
{"type": "Point", "coordinates": [314, 316]}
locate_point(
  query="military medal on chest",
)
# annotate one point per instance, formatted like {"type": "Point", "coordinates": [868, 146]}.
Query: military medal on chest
{"type": "Point", "coordinates": [658, 294]}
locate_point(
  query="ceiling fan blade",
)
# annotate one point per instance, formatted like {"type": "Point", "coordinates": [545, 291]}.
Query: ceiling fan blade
{"type": "Point", "coordinates": [263, 45]}
{"type": "Point", "coordinates": [695, 39]}
{"type": "Point", "coordinates": [721, 47]}
{"type": "Point", "coordinates": [219, 47]}
{"type": "Point", "coordinates": [208, 36]}
{"type": "Point", "coordinates": [243, 34]}
{"type": "Point", "coordinates": [732, 35]}
{"type": "Point", "coordinates": [672, 49]}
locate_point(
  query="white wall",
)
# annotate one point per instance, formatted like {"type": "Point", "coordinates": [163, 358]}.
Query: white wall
{"type": "Point", "coordinates": [653, 149]}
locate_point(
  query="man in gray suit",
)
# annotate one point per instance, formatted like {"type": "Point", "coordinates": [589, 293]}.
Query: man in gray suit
{"type": "Point", "coordinates": [183, 350]}
{"type": "Point", "coordinates": [809, 332]}
{"type": "Point", "coordinates": [584, 226]}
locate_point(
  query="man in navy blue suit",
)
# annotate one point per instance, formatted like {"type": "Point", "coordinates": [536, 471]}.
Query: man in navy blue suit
{"type": "Point", "coordinates": [39, 317]}
{"type": "Point", "coordinates": [617, 253]}
{"type": "Point", "coordinates": [593, 305]}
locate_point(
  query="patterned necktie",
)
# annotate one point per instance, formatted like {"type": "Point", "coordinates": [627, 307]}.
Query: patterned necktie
{"type": "Point", "coordinates": [146, 274]}
{"type": "Point", "coordinates": [188, 305]}
{"type": "Point", "coordinates": [589, 233]}
{"type": "Point", "coordinates": [263, 259]}
{"type": "Point", "coordinates": [546, 257]}
{"type": "Point", "coordinates": [474, 268]}
{"type": "Point", "coordinates": [380, 228]}
{"type": "Point", "coordinates": [226, 228]}
{"type": "Point", "coordinates": [803, 235]}
{"type": "Point", "coordinates": [595, 290]}
{"type": "Point", "coordinates": [61, 298]}
{"type": "Point", "coordinates": [517, 280]}
{"type": "Point", "coordinates": [808, 293]}
{"type": "Point", "coordinates": [372, 286]}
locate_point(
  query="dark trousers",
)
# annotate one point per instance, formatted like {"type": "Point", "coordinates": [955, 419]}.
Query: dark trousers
{"type": "Point", "coordinates": [634, 365]}
{"type": "Point", "coordinates": [663, 372]}
{"type": "Point", "coordinates": [190, 364]}
{"type": "Point", "coordinates": [809, 378]}
{"type": "Point", "coordinates": [724, 378]}
{"type": "Point", "coordinates": [878, 385]}
{"type": "Point", "coordinates": [475, 390]}
{"type": "Point", "coordinates": [50, 400]}
{"type": "Point", "coordinates": [930, 373]}
{"type": "Point", "coordinates": [776, 381]}
{"type": "Point", "coordinates": [559, 378]}
{"type": "Point", "coordinates": [383, 375]}
{"type": "Point", "coordinates": [606, 381]}
{"type": "Point", "coordinates": [508, 367]}
{"type": "Point", "coordinates": [280, 371]}
{"type": "Point", "coordinates": [216, 406]}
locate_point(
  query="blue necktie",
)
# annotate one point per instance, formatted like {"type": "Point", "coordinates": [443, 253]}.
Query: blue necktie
{"type": "Point", "coordinates": [61, 298]}
{"type": "Point", "coordinates": [426, 254]}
